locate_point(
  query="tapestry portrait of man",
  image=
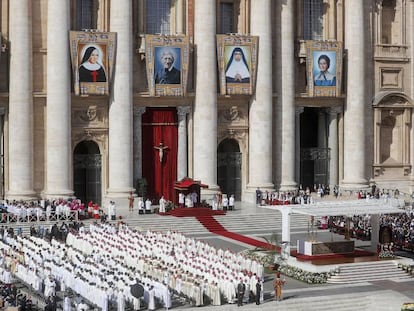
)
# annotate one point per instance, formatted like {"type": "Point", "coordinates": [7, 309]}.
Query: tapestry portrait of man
{"type": "Point", "coordinates": [167, 65]}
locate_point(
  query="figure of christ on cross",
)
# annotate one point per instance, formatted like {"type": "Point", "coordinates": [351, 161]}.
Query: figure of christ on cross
{"type": "Point", "coordinates": [161, 149]}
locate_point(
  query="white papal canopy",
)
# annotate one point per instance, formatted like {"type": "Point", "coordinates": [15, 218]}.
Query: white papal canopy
{"type": "Point", "coordinates": [373, 207]}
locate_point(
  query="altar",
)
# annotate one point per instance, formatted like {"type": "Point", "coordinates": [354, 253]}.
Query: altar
{"type": "Point", "coordinates": [310, 248]}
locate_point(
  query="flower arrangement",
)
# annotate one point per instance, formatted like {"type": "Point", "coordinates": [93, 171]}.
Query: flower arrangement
{"type": "Point", "coordinates": [407, 268]}
{"type": "Point", "coordinates": [305, 276]}
{"type": "Point", "coordinates": [290, 271]}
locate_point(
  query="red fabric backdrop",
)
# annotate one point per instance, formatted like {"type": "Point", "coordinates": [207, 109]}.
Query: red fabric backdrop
{"type": "Point", "coordinates": [160, 125]}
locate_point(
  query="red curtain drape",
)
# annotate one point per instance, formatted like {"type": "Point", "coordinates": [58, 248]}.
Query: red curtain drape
{"type": "Point", "coordinates": [160, 126]}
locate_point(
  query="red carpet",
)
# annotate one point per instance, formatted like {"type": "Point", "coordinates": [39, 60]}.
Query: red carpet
{"type": "Point", "coordinates": [214, 226]}
{"type": "Point", "coordinates": [356, 253]}
{"type": "Point", "coordinates": [193, 212]}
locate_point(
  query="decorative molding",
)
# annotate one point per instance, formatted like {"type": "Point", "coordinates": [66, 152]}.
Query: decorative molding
{"type": "Point", "coordinates": [89, 114]}
{"type": "Point", "coordinates": [182, 111]}
{"type": "Point", "coordinates": [139, 111]}
{"type": "Point", "coordinates": [391, 78]}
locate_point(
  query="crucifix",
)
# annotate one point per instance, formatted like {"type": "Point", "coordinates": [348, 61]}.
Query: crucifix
{"type": "Point", "coordinates": [161, 149]}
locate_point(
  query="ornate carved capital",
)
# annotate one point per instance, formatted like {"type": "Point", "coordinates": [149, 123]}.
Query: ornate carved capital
{"type": "Point", "coordinates": [139, 111]}
{"type": "Point", "coordinates": [182, 111]}
{"type": "Point", "coordinates": [299, 110]}
{"type": "Point", "coordinates": [335, 110]}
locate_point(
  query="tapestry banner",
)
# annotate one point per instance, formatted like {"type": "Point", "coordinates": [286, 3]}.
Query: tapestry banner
{"type": "Point", "coordinates": [93, 57]}
{"type": "Point", "coordinates": [324, 68]}
{"type": "Point", "coordinates": [167, 59]}
{"type": "Point", "coordinates": [237, 62]}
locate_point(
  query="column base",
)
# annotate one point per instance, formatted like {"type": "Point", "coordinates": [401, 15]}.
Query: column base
{"type": "Point", "coordinates": [120, 197]}
{"type": "Point", "coordinates": [21, 195]}
{"type": "Point", "coordinates": [354, 185]}
{"type": "Point", "coordinates": [249, 195]}
{"type": "Point", "coordinates": [58, 194]}
{"type": "Point", "coordinates": [288, 186]}
{"type": "Point", "coordinates": [207, 194]}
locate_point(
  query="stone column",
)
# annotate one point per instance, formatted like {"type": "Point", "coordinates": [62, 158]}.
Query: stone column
{"type": "Point", "coordinates": [286, 93]}
{"type": "Point", "coordinates": [205, 105]}
{"type": "Point", "coordinates": [20, 102]}
{"type": "Point", "coordinates": [182, 159]}
{"type": "Point", "coordinates": [2, 148]}
{"type": "Point", "coordinates": [120, 107]}
{"type": "Point", "coordinates": [321, 129]}
{"type": "Point", "coordinates": [333, 147]}
{"type": "Point", "coordinates": [58, 108]}
{"type": "Point", "coordinates": [138, 112]}
{"type": "Point", "coordinates": [179, 17]}
{"type": "Point", "coordinates": [354, 114]}
{"type": "Point", "coordinates": [332, 20]}
{"type": "Point", "coordinates": [299, 111]}
{"type": "Point", "coordinates": [260, 115]}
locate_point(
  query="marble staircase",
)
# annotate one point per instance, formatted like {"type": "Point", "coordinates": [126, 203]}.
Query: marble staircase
{"type": "Point", "coordinates": [368, 272]}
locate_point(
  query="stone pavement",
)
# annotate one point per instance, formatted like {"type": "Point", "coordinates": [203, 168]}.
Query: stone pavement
{"type": "Point", "coordinates": [256, 222]}
{"type": "Point", "coordinates": [253, 221]}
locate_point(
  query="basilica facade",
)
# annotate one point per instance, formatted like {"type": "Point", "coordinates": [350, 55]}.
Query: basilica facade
{"type": "Point", "coordinates": [322, 94]}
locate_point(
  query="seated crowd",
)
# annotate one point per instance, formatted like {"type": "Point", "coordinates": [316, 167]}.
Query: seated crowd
{"type": "Point", "coordinates": [43, 210]}
{"type": "Point", "coordinates": [102, 263]}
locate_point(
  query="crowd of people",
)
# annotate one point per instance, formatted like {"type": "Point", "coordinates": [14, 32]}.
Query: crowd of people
{"type": "Point", "coordinates": [102, 262]}
{"type": "Point", "coordinates": [43, 210]}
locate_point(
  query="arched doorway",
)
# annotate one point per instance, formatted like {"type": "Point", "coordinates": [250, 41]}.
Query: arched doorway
{"type": "Point", "coordinates": [87, 166]}
{"type": "Point", "coordinates": [229, 167]}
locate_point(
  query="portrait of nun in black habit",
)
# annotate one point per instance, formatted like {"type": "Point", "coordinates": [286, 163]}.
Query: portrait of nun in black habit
{"type": "Point", "coordinates": [91, 68]}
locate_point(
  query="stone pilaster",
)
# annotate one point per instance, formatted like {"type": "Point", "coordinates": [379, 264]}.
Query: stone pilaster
{"type": "Point", "coordinates": [354, 113]}
{"type": "Point", "coordinates": [298, 112]}
{"type": "Point", "coordinates": [321, 128]}
{"type": "Point", "coordinates": [333, 146]}
{"type": "Point", "coordinates": [205, 105]}
{"type": "Point", "coordinates": [182, 159]}
{"type": "Point", "coordinates": [138, 112]}
{"type": "Point", "coordinates": [20, 102]}
{"type": "Point", "coordinates": [120, 107]}
{"type": "Point", "coordinates": [260, 114]}
{"type": "Point", "coordinates": [286, 93]}
{"type": "Point", "coordinates": [58, 108]}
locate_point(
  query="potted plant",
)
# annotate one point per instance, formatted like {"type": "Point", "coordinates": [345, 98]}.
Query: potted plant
{"type": "Point", "coordinates": [141, 187]}
{"type": "Point", "coordinates": [269, 255]}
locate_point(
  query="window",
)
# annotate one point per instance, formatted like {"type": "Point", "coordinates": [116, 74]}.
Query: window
{"type": "Point", "coordinates": [226, 18]}
{"type": "Point", "coordinates": [158, 17]}
{"type": "Point", "coordinates": [86, 17]}
{"type": "Point", "coordinates": [313, 19]}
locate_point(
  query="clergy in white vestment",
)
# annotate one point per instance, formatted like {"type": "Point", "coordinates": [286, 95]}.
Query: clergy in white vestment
{"type": "Point", "coordinates": [50, 286]}
{"type": "Point", "coordinates": [121, 301]}
{"type": "Point", "coordinates": [162, 203]}
{"type": "Point", "coordinates": [151, 298]}
{"type": "Point", "coordinates": [167, 297]}
{"type": "Point", "coordinates": [67, 304]}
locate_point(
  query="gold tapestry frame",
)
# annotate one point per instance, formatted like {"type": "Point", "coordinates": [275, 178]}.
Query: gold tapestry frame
{"type": "Point", "coordinates": [324, 68]}
{"type": "Point", "coordinates": [232, 81]}
{"type": "Point", "coordinates": [88, 78]}
{"type": "Point", "coordinates": [172, 82]}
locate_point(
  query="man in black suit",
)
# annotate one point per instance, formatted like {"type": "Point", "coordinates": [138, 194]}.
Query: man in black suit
{"type": "Point", "coordinates": [241, 288]}
{"type": "Point", "coordinates": [168, 74]}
